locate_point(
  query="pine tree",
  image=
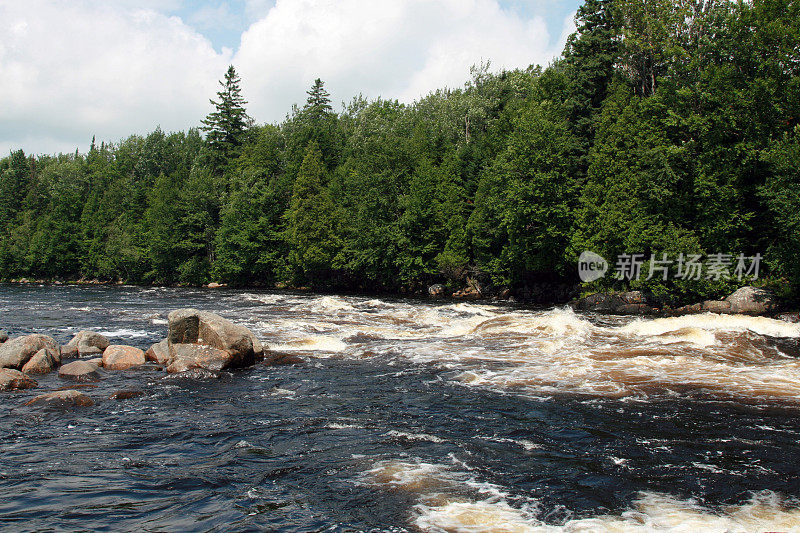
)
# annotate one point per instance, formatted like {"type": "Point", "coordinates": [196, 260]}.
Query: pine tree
{"type": "Point", "coordinates": [225, 128]}
{"type": "Point", "coordinates": [318, 105]}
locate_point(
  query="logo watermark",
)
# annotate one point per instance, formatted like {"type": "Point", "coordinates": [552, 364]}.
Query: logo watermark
{"type": "Point", "coordinates": [591, 267]}
{"type": "Point", "coordinates": [633, 267]}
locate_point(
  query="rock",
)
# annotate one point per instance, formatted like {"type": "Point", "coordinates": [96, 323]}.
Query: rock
{"type": "Point", "coordinates": [468, 293]}
{"type": "Point", "coordinates": [715, 306]}
{"type": "Point", "coordinates": [619, 303]}
{"type": "Point", "coordinates": [158, 353]}
{"type": "Point", "coordinates": [184, 357]}
{"type": "Point", "coordinates": [89, 343]}
{"type": "Point", "coordinates": [18, 351]}
{"type": "Point", "coordinates": [62, 398]}
{"type": "Point", "coordinates": [126, 394]}
{"type": "Point", "coordinates": [793, 317]}
{"type": "Point", "coordinates": [278, 358]}
{"type": "Point", "coordinates": [97, 361]}
{"type": "Point", "coordinates": [118, 357]}
{"type": "Point", "coordinates": [215, 285]}
{"type": "Point", "coordinates": [190, 326]}
{"type": "Point", "coordinates": [258, 349]}
{"type": "Point", "coordinates": [436, 291]}
{"type": "Point", "coordinates": [80, 371]}
{"type": "Point", "coordinates": [194, 374]}
{"type": "Point", "coordinates": [42, 362]}
{"type": "Point", "coordinates": [752, 301]}
{"type": "Point", "coordinates": [3, 337]}
{"type": "Point", "coordinates": [504, 294]}
{"type": "Point", "coordinates": [11, 379]}
{"type": "Point", "coordinates": [69, 352]}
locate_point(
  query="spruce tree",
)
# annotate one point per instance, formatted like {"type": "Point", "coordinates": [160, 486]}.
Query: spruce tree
{"type": "Point", "coordinates": [225, 128]}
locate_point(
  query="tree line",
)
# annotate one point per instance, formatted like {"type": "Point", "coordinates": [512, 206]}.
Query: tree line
{"type": "Point", "coordinates": [665, 127]}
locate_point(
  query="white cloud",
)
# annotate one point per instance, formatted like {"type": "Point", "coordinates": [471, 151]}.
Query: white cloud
{"type": "Point", "coordinates": [75, 69]}
{"type": "Point", "coordinates": [393, 48]}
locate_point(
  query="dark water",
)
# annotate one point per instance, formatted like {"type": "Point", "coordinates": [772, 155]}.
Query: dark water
{"type": "Point", "coordinates": [379, 430]}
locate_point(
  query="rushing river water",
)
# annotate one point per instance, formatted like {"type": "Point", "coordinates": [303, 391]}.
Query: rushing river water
{"type": "Point", "coordinates": [411, 416]}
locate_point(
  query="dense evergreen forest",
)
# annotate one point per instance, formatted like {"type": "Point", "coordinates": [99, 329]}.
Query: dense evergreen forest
{"type": "Point", "coordinates": [665, 127]}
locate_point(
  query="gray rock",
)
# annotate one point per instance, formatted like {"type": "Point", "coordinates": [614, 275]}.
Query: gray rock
{"type": "Point", "coordinates": [80, 371]}
{"type": "Point", "coordinates": [18, 351]}
{"type": "Point", "coordinates": [190, 326]}
{"type": "Point", "coordinates": [619, 303]}
{"type": "Point", "coordinates": [185, 357]}
{"type": "Point", "coordinates": [3, 337]}
{"type": "Point", "coordinates": [752, 301]}
{"type": "Point", "coordinates": [89, 343]}
{"type": "Point", "coordinates": [793, 317]}
{"type": "Point", "coordinates": [11, 379]}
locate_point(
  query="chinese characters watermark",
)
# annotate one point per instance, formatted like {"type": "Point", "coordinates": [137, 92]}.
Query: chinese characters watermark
{"type": "Point", "coordinates": [633, 267]}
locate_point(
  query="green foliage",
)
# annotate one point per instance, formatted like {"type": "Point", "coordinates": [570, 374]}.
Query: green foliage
{"type": "Point", "coordinates": [666, 127]}
{"type": "Point", "coordinates": [225, 128]}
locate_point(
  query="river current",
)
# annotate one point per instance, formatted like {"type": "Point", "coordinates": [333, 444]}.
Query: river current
{"type": "Point", "coordinates": [411, 415]}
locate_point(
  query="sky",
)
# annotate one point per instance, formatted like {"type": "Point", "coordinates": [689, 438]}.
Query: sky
{"type": "Point", "coordinates": [74, 69]}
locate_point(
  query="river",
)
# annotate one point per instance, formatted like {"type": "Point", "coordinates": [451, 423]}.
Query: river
{"type": "Point", "coordinates": [411, 415]}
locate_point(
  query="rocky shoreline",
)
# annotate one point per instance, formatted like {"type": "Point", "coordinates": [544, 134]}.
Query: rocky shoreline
{"type": "Point", "coordinates": [199, 344]}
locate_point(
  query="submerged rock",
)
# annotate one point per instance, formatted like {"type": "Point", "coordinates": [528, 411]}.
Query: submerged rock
{"type": "Point", "coordinates": [190, 326]}
{"type": "Point", "coordinates": [11, 379]}
{"type": "Point", "coordinates": [42, 362]}
{"type": "Point", "coordinates": [752, 301]}
{"type": "Point", "coordinates": [62, 398]}
{"type": "Point", "coordinates": [88, 343]}
{"type": "Point", "coordinates": [126, 394]}
{"type": "Point", "coordinates": [119, 357]}
{"type": "Point", "coordinates": [79, 371]}
{"type": "Point", "coordinates": [18, 351]}
{"type": "Point", "coordinates": [194, 374]}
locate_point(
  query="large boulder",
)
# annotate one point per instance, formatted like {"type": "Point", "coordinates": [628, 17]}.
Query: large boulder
{"type": "Point", "coordinates": [158, 353]}
{"type": "Point", "coordinates": [80, 371]}
{"type": "Point", "coordinates": [190, 326]}
{"type": "Point", "coordinates": [15, 380]}
{"type": "Point", "coordinates": [616, 303]}
{"type": "Point", "coordinates": [752, 301]}
{"type": "Point", "coordinates": [62, 398]}
{"type": "Point", "coordinates": [42, 362]}
{"type": "Point", "coordinates": [87, 344]}
{"type": "Point", "coordinates": [185, 357]}
{"type": "Point", "coordinates": [18, 351]}
{"type": "Point", "coordinates": [118, 357]}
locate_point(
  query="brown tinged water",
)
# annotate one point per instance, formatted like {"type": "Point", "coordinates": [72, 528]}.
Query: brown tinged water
{"type": "Point", "coordinates": [407, 415]}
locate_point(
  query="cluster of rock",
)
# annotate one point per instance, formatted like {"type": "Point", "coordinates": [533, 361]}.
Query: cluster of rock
{"type": "Point", "coordinates": [197, 343]}
{"type": "Point", "coordinates": [745, 301]}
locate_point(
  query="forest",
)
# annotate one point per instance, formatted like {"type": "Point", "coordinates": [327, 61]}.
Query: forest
{"type": "Point", "coordinates": [664, 127]}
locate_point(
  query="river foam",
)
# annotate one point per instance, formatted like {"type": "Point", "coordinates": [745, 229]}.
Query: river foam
{"type": "Point", "coordinates": [452, 501]}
